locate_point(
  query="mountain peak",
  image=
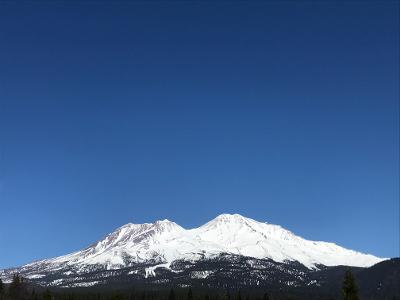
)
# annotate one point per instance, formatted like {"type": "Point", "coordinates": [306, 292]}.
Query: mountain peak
{"type": "Point", "coordinates": [167, 225]}
{"type": "Point", "coordinates": [165, 221]}
{"type": "Point", "coordinates": [229, 217]}
{"type": "Point", "coordinates": [233, 221]}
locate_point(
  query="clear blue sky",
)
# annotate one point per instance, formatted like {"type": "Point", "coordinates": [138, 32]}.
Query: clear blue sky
{"type": "Point", "coordinates": [284, 111]}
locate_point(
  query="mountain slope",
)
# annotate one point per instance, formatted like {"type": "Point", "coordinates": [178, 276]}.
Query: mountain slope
{"type": "Point", "coordinates": [164, 242]}
{"type": "Point", "coordinates": [244, 236]}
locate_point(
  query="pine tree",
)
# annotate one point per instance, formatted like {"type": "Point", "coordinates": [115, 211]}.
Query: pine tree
{"type": "Point", "coordinates": [239, 296]}
{"type": "Point", "coordinates": [46, 295]}
{"type": "Point", "coordinates": [171, 295]}
{"type": "Point", "coordinates": [265, 296]}
{"type": "Point", "coordinates": [206, 297]}
{"type": "Point", "coordinates": [33, 295]}
{"type": "Point", "coordinates": [349, 289]}
{"type": "Point", "coordinates": [190, 294]}
{"type": "Point", "coordinates": [70, 297]}
{"type": "Point", "coordinates": [116, 295]}
{"type": "Point", "coordinates": [16, 288]}
{"type": "Point", "coordinates": [227, 296]}
{"type": "Point", "coordinates": [15, 283]}
{"type": "Point", "coordinates": [1, 289]}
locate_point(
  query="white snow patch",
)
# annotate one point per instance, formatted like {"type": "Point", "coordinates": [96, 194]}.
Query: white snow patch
{"type": "Point", "coordinates": [150, 271]}
{"type": "Point", "coordinates": [55, 282]}
{"type": "Point", "coordinates": [200, 274]}
{"type": "Point", "coordinates": [34, 276]}
{"type": "Point", "coordinates": [84, 284]}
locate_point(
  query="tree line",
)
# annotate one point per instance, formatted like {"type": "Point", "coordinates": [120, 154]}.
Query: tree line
{"type": "Point", "coordinates": [19, 289]}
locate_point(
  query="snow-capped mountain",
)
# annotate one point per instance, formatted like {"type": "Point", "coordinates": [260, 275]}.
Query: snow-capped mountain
{"type": "Point", "coordinates": [163, 243]}
{"type": "Point", "coordinates": [244, 236]}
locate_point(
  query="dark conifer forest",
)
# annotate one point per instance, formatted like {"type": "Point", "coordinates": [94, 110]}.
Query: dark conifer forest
{"type": "Point", "coordinates": [21, 289]}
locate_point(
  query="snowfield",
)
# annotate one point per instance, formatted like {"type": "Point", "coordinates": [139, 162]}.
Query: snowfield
{"type": "Point", "coordinates": [164, 242]}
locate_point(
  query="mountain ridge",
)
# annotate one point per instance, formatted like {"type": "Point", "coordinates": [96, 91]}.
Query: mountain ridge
{"type": "Point", "coordinates": [164, 241]}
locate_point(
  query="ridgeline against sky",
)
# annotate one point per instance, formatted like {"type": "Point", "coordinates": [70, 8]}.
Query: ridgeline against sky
{"type": "Point", "coordinates": [131, 112]}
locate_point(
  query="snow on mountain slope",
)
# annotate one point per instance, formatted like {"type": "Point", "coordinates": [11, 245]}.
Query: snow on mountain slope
{"type": "Point", "coordinates": [244, 236]}
{"type": "Point", "coordinates": [164, 241]}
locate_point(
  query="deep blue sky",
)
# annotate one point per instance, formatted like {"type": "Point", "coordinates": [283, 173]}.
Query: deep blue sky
{"type": "Point", "coordinates": [285, 112]}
